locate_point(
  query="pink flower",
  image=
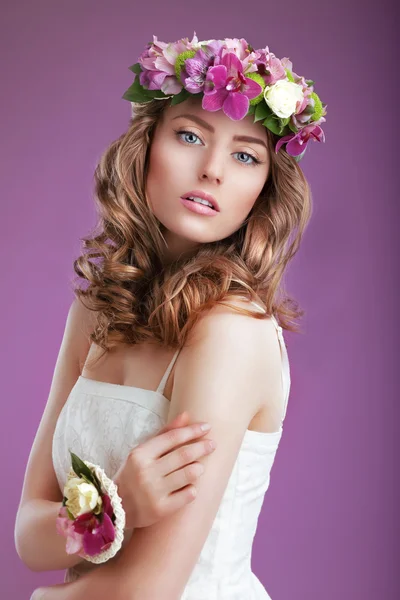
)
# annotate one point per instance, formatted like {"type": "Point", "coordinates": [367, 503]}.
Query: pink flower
{"type": "Point", "coordinates": [97, 530]}
{"type": "Point", "coordinates": [238, 46]}
{"type": "Point", "coordinates": [269, 67]}
{"type": "Point", "coordinates": [195, 70]}
{"type": "Point", "coordinates": [227, 87]}
{"type": "Point", "coordinates": [65, 527]}
{"type": "Point", "coordinates": [88, 532]}
{"type": "Point", "coordinates": [296, 143]}
{"type": "Point", "coordinates": [158, 64]}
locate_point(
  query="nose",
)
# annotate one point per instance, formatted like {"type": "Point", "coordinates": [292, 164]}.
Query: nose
{"type": "Point", "coordinates": [212, 169]}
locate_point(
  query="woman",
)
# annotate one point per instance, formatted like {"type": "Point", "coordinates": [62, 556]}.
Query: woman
{"type": "Point", "coordinates": [200, 212]}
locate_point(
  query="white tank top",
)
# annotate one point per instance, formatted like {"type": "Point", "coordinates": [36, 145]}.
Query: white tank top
{"type": "Point", "coordinates": [101, 422]}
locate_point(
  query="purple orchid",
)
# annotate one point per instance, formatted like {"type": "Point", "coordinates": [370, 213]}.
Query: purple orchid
{"type": "Point", "coordinates": [227, 87]}
{"type": "Point", "coordinates": [296, 143]}
{"type": "Point", "coordinates": [98, 533]}
{"type": "Point", "coordinates": [195, 69]}
{"type": "Point", "coordinates": [158, 64]}
{"type": "Point", "coordinates": [241, 48]}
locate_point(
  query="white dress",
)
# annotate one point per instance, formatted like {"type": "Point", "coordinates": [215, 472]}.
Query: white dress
{"type": "Point", "coordinates": [101, 422]}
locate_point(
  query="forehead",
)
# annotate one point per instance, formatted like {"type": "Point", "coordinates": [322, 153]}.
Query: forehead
{"type": "Point", "coordinates": [218, 120]}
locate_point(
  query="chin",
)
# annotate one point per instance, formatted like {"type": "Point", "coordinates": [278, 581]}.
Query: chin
{"type": "Point", "coordinates": [191, 233]}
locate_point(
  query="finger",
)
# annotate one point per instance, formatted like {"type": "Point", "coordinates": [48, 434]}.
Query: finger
{"type": "Point", "coordinates": [184, 456]}
{"type": "Point", "coordinates": [161, 444]}
{"type": "Point", "coordinates": [189, 474]}
{"type": "Point", "coordinates": [178, 499]}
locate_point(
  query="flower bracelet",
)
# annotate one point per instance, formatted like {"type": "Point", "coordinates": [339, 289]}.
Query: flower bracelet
{"type": "Point", "coordinates": [91, 517]}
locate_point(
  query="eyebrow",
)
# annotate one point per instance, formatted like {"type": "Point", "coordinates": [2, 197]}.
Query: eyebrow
{"type": "Point", "coordinates": [236, 138]}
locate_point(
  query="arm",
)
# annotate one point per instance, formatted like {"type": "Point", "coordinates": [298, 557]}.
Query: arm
{"type": "Point", "coordinates": [36, 539]}
{"type": "Point", "coordinates": [37, 542]}
{"type": "Point", "coordinates": [222, 377]}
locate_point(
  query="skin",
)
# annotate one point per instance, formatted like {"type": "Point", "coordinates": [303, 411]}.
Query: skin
{"type": "Point", "coordinates": [185, 155]}
{"type": "Point", "coordinates": [215, 163]}
{"type": "Point", "coordinates": [211, 161]}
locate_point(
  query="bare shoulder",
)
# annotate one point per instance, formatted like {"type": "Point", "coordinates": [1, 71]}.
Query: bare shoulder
{"type": "Point", "coordinates": [230, 356]}
{"type": "Point", "coordinates": [237, 328]}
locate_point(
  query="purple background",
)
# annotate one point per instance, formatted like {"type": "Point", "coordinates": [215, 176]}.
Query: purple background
{"type": "Point", "coordinates": [328, 525]}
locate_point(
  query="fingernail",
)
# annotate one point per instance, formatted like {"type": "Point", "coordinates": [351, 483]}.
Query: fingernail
{"type": "Point", "coordinates": [205, 427]}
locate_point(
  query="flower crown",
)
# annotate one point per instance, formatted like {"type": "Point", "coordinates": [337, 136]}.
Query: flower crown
{"type": "Point", "coordinates": [234, 77]}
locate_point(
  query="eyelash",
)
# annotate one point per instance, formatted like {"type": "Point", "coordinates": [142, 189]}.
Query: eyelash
{"type": "Point", "coordinates": [255, 162]}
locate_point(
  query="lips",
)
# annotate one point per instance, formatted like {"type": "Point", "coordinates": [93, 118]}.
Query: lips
{"type": "Point", "coordinates": [204, 196]}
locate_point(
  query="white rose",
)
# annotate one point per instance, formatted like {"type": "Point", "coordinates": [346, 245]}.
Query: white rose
{"type": "Point", "coordinates": [81, 497]}
{"type": "Point", "coordinates": [282, 97]}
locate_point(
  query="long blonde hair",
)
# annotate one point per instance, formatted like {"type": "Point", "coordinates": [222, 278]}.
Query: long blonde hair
{"type": "Point", "coordinates": [139, 299]}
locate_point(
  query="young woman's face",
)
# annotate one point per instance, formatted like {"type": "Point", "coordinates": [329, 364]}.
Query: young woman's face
{"type": "Point", "coordinates": [194, 151]}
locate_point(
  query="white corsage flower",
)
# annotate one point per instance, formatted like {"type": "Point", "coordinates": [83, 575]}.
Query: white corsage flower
{"type": "Point", "coordinates": [82, 497]}
{"type": "Point", "coordinates": [282, 97]}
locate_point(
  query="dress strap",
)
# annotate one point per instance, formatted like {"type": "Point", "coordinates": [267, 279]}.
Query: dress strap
{"type": "Point", "coordinates": [285, 372]}
{"type": "Point", "coordinates": [285, 365]}
{"type": "Point", "coordinates": [164, 380]}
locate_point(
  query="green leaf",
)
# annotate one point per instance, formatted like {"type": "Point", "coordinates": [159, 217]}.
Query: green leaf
{"type": "Point", "coordinates": [292, 127]}
{"type": "Point", "coordinates": [136, 93]}
{"type": "Point", "coordinates": [134, 96]}
{"type": "Point", "coordinates": [273, 124]}
{"type": "Point", "coordinates": [83, 471]}
{"type": "Point", "coordinates": [280, 124]}
{"type": "Point", "coordinates": [262, 111]}
{"type": "Point", "coordinates": [156, 94]}
{"type": "Point", "coordinates": [183, 95]}
{"type": "Point", "coordinates": [252, 109]}
{"type": "Point", "coordinates": [137, 86]}
{"type": "Point", "coordinates": [85, 478]}
{"type": "Point", "coordinates": [310, 82]}
{"type": "Point", "coordinates": [286, 131]}
{"type": "Point", "coordinates": [79, 466]}
{"type": "Point", "coordinates": [136, 68]}
{"type": "Point", "coordinates": [289, 75]}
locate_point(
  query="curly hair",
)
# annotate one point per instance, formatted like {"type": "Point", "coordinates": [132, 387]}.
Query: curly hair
{"type": "Point", "coordinates": [137, 298]}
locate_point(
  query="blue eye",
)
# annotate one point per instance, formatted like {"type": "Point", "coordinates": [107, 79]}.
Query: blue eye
{"type": "Point", "coordinates": [253, 158]}
{"type": "Point", "coordinates": [254, 161]}
{"type": "Point", "coordinates": [187, 133]}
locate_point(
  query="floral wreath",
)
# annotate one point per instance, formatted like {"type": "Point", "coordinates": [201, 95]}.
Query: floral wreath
{"type": "Point", "coordinates": [234, 77]}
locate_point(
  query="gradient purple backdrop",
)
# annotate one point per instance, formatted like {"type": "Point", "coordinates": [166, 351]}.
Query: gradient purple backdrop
{"type": "Point", "coordinates": [328, 525]}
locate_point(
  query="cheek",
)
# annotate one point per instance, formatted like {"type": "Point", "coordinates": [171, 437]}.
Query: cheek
{"type": "Point", "coordinates": [156, 163]}
{"type": "Point", "coordinates": [164, 166]}
{"type": "Point", "coordinates": [247, 188]}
